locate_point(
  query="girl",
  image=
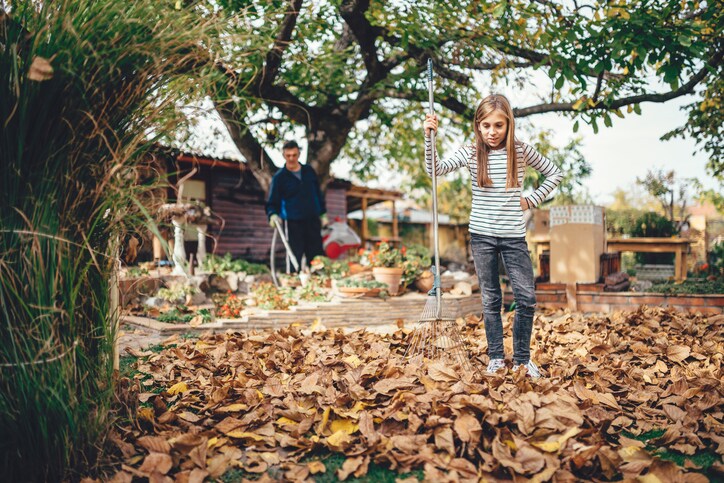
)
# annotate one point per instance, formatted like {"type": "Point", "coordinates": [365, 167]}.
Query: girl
{"type": "Point", "coordinates": [497, 163]}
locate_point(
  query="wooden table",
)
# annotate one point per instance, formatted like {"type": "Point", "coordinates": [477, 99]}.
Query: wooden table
{"type": "Point", "coordinates": [679, 246]}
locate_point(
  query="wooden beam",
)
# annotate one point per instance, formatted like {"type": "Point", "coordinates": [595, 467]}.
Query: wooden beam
{"type": "Point", "coordinates": [395, 232]}
{"type": "Point", "coordinates": [364, 221]}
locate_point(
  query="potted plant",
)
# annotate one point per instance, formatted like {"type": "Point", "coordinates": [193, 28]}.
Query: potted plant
{"type": "Point", "coordinates": [351, 287]}
{"type": "Point", "coordinates": [386, 261]}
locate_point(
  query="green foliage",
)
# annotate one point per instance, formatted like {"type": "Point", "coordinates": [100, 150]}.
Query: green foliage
{"type": "Point", "coordinates": [690, 286]}
{"type": "Point", "coordinates": [326, 268]}
{"type": "Point", "coordinates": [175, 315]}
{"type": "Point", "coordinates": [573, 166]}
{"type": "Point", "coordinates": [269, 297]}
{"type": "Point", "coordinates": [176, 291]}
{"type": "Point", "coordinates": [716, 257]}
{"type": "Point", "coordinates": [385, 255]}
{"type": "Point", "coordinates": [417, 259]}
{"type": "Point", "coordinates": [220, 265]}
{"type": "Point", "coordinates": [351, 74]}
{"type": "Point", "coordinates": [82, 90]}
{"type": "Point", "coordinates": [652, 224]}
{"type": "Point", "coordinates": [670, 191]}
{"type": "Point", "coordinates": [361, 283]}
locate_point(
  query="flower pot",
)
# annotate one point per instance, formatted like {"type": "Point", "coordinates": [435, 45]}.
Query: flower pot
{"type": "Point", "coordinates": [425, 281]}
{"type": "Point", "coordinates": [390, 276]}
{"type": "Point", "coordinates": [358, 291]}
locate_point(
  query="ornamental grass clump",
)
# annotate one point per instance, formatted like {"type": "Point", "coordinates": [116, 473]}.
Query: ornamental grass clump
{"type": "Point", "coordinates": [86, 88]}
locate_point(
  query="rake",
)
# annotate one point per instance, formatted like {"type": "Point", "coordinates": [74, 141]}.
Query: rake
{"type": "Point", "coordinates": [437, 336]}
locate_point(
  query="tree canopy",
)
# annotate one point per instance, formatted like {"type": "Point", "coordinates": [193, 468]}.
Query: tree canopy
{"type": "Point", "coordinates": [350, 72]}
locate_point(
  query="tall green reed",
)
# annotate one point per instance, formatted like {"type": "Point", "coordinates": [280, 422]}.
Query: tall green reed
{"type": "Point", "coordinates": [72, 143]}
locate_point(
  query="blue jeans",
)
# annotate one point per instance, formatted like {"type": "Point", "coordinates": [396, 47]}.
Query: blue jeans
{"type": "Point", "coordinates": [520, 271]}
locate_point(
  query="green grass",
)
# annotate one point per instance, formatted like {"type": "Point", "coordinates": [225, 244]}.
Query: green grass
{"type": "Point", "coordinates": [703, 459]}
{"type": "Point", "coordinates": [332, 461]}
{"type": "Point", "coordinates": [691, 286]}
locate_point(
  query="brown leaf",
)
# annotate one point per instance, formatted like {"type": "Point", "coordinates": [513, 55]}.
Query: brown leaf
{"type": "Point", "coordinates": [40, 69]}
{"type": "Point", "coordinates": [217, 465]}
{"type": "Point", "coordinates": [155, 444]}
{"type": "Point", "coordinates": [357, 465]}
{"type": "Point", "coordinates": [438, 371]}
{"type": "Point", "coordinates": [675, 414]}
{"type": "Point", "coordinates": [191, 476]}
{"type": "Point", "coordinates": [444, 439]}
{"type": "Point", "coordinates": [316, 467]}
{"type": "Point", "coordinates": [678, 353]}
{"type": "Point", "coordinates": [157, 462]}
{"type": "Point", "coordinates": [468, 428]}
{"type": "Point", "coordinates": [228, 425]}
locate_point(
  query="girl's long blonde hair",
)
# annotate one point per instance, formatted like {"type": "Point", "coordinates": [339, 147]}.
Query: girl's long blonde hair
{"type": "Point", "coordinates": [489, 104]}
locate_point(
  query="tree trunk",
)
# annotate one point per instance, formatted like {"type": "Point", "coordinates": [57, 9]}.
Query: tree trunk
{"type": "Point", "coordinates": [326, 138]}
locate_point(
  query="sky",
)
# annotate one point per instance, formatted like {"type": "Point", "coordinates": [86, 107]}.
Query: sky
{"type": "Point", "coordinates": [617, 154]}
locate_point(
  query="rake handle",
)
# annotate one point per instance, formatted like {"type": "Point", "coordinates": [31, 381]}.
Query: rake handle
{"type": "Point", "coordinates": [435, 236]}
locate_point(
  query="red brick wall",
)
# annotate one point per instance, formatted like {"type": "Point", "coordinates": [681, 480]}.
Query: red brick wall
{"type": "Point", "coordinates": [554, 296]}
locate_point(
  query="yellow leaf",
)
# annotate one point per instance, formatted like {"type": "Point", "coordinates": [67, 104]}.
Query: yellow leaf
{"type": "Point", "coordinates": [358, 406]}
{"type": "Point", "coordinates": [647, 378]}
{"type": "Point", "coordinates": [353, 361]}
{"type": "Point", "coordinates": [177, 388]}
{"type": "Point", "coordinates": [145, 414]}
{"type": "Point", "coordinates": [568, 434]}
{"type": "Point", "coordinates": [210, 443]}
{"type": "Point", "coordinates": [628, 452]}
{"type": "Point", "coordinates": [577, 105]}
{"type": "Point", "coordinates": [325, 419]}
{"type": "Point", "coordinates": [343, 425]}
{"type": "Point", "coordinates": [549, 446]}
{"type": "Point", "coordinates": [232, 408]}
{"type": "Point", "coordinates": [338, 438]}
{"type": "Point", "coordinates": [510, 444]}
{"type": "Point", "coordinates": [316, 467]}
{"type": "Point", "coordinates": [649, 478]}
{"type": "Point", "coordinates": [285, 421]}
{"type": "Point", "coordinates": [244, 435]}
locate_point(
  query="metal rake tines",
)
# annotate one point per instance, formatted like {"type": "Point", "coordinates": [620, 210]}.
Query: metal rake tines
{"type": "Point", "coordinates": [438, 337]}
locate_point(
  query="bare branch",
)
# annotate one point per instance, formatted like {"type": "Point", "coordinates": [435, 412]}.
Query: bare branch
{"type": "Point", "coordinates": [274, 56]}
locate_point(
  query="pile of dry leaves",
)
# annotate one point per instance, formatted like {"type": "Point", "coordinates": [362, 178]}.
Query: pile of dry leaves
{"type": "Point", "coordinates": [264, 401]}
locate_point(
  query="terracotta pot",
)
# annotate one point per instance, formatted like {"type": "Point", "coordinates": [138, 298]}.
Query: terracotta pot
{"type": "Point", "coordinates": [355, 268]}
{"type": "Point", "coordinates": [390, 276]}
{"type": "Point", "coordinates": [425, 281]}
{"type": "Point", "coordinates": [358, 291]}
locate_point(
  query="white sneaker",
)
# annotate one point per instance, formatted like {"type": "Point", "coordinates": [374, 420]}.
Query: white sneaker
{"type": "Point", "coordinates": [494, 365]}
{"type": "Point", "coordinates": [531, 368]}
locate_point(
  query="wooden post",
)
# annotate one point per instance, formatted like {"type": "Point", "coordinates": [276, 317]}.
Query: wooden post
{"type": "Point", "coordinates": [364, 221]}
{"type": "Point", "coordinates": [571, 292]}
{"type": "Point", "coordinates": [395, 232]}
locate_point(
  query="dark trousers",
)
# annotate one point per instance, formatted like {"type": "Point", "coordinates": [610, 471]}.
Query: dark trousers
{"type": "Point", "coordinates": [520, 271]}
{"type": "Point", "coordinates": [305, 238]}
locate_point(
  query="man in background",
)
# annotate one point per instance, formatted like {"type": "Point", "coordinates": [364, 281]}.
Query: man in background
{"type": "Point", "coordinates": [294, 196]}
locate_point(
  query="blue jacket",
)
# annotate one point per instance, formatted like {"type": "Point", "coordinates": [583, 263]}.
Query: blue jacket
{"type": "Point", "coordinates": [295, 199]}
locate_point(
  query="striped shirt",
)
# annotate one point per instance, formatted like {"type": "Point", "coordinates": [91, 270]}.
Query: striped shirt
{"type": "Point", "coordinates": [496, 211]}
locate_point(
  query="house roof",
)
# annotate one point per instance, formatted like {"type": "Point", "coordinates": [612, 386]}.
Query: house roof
{"type": "Point", "coordinates": [408, 215]}
{"type": "Point", "coordinates": [355, 193]}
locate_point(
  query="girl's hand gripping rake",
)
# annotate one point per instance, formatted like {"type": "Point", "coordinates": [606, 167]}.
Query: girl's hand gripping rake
{"type": "Point", "coordinates": [437, 335]}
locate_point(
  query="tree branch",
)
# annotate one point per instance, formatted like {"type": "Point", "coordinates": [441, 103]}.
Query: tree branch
{"type": "Point", "coordinates": [353, 13]}
{"type": "Point", "coordinates": [683, 90]}
{"type": "Point", "coordinates": [274, 56]}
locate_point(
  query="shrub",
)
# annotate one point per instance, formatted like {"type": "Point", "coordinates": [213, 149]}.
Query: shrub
{"type": "Point", "coordinates": [654, 225]}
